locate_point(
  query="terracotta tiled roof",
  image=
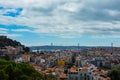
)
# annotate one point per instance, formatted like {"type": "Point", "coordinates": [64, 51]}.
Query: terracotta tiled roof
{"type": "Point", "coordinates": [85, 69]}
{"type": "Point", "coordinates": [73, 69]}
{"type": "Point", "coordinates": [63, 76]}
{"type": "Point", "coordinates": [50, 69]}
{"type": "Point", "coordinates": [107, 78]}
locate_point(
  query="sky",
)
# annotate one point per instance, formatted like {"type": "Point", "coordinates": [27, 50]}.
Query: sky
{"type": "Point", "coordinates": [61, 22]}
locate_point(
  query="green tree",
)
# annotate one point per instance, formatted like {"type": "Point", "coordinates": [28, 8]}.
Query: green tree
{"type": "Point", "coordinates": [26, 49]}
{"type": "Point", "coordinates": [3, 75]}
{"type": "Point", "coordinates": [114, 74]}
{"type": "Point", "coordinates": [9, 70]}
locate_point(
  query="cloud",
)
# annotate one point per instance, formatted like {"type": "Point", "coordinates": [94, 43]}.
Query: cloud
{"type": "Point", "coordinates": [21, 30]}
{"type": "Point", "coordinates": [11, 35]}
{"type": "Point", "coordinates": [65, 18]}
{"type": "Point", "coordinates": [3, 30]}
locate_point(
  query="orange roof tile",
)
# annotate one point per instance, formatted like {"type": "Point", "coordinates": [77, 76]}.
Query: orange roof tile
{"type": "Point", "coordinates": [85, 69]}
{"type": "Point", "coordinates": [50, 69]}
{"type": "Point", "coordinates": [63, 76]}
{"type": "Point", "coordinates": [73, 69]}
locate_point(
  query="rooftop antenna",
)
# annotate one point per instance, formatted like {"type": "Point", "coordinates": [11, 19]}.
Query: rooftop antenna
{"type": "Point", "coordinates": [51, 44]}
{"type": "Point", "coordinates": [95, 50]}
{"type": "Point", "coordinates": [78, 46]}
{"type": "Point", "coordinates": [112, 48]}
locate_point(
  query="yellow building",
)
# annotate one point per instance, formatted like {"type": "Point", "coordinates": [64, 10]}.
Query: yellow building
{"type": "Point", "coordinates": [61, 62]}
{"type": "Point", "coordinates": [28, 58]}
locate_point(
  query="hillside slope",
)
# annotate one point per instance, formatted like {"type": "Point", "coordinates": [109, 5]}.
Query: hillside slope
{"type": "Point", "coordinates": [4, 41]}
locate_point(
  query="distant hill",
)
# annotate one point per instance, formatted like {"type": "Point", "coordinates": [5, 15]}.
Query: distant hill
{"type": "Point", "coordinates": [65, 47]}
{"type": "Point", "coordinates": [4, 41]}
